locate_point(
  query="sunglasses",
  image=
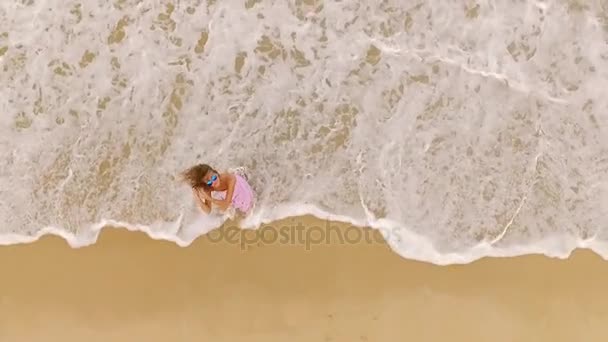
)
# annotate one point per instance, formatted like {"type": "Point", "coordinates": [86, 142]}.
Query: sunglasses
{"type": "Point", "coordinates": [213, 179]}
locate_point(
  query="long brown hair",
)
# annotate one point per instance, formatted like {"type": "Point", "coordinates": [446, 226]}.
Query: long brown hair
{"type": "Point", "coordinates": [194, 175]}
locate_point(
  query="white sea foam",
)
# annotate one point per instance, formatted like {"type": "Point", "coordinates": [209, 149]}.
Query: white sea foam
{"type": "Point", "coordinates": [459, 130]}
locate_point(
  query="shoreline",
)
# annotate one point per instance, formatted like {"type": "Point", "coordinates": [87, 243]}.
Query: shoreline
{"type": "Point", "coordinates": [129, 287]}
{"type": "Point", "coordinates": [309, 230]}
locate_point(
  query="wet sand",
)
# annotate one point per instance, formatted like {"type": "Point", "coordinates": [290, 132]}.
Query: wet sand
{"type": "Point", "coordinates": [129, 287]}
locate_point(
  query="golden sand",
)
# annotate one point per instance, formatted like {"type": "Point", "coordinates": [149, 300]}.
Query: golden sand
{"type": "Point", "coordinates": [128, 287]}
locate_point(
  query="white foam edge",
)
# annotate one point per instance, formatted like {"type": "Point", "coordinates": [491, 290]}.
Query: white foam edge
{"type": "Point", "coordinates": [405, 243]}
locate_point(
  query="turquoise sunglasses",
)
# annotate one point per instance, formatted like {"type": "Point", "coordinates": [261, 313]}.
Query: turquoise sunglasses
{"type": "Point", "coordinates": [213, 179]}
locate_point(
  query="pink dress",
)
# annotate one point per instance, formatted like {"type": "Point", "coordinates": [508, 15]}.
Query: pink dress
{"type": "Point", "coordinates": [242, 196]}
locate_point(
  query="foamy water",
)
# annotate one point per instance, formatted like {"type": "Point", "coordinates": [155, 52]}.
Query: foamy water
{"type": "Point", "coordinates": [461, 129]}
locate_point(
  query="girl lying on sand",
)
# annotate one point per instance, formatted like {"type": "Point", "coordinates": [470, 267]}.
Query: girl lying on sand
{"type": "Point", "coordinates": [229, 190]}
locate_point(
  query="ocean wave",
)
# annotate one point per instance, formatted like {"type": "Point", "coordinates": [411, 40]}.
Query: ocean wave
{"type": "Point", "coordinates": [489, 140]}
{"type": "Point", "coordinates": [405, 243]}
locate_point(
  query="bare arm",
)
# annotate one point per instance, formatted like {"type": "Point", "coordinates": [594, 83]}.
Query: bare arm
{"type": "Point", "coordinates": [225, 203]}
{"type": "Point", "coordinates": [201, 201]}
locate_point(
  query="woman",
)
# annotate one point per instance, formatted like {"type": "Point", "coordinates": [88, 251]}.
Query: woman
{"type": "Point", "coordinates": [224, 190]}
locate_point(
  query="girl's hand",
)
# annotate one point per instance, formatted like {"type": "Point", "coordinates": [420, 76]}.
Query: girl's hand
{"type": "Point", "coordinates": [202, 203]}
{"type": "Point", "coordinates": [203, 194]}
{"type": "Point", "coordinates": [222, 205]}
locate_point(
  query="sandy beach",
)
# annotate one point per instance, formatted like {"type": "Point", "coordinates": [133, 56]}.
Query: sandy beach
{"type": "Point", "coordinates": [476, 128]}
{"type": "Point", "coordinates": [129, 287]}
